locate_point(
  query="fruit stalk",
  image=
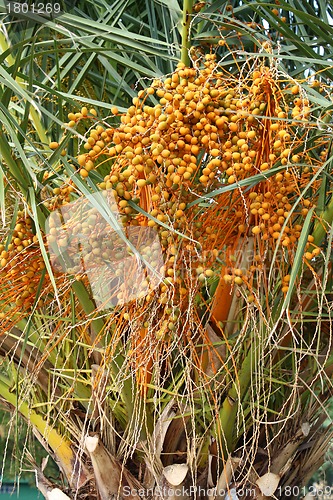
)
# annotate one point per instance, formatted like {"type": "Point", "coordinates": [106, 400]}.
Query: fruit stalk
{"type": "Point", "coordinates": [186, 40]}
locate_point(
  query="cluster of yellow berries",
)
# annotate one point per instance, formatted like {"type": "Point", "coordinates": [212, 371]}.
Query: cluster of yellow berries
{"type": "Point", "coordinates": [197, 131]}
{"type": "Point", "coordinates": [205, 132]}
{"type": "Point", "coordinates": [21, 265]}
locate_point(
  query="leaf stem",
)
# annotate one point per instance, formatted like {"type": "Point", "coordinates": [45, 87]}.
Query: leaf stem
{"type": "Point", "coordinates": [323, 224]}
{"type": "Point", "coordinates": [186, 41]}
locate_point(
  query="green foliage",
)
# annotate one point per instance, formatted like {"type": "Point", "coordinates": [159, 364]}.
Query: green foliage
{"type": "Point", "coordinates": [15, 439]}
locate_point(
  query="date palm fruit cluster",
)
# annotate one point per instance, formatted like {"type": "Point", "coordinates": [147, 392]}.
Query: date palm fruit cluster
{"type": "Point", "coordinates": [22, 266]}
{"type": "Point", "coordinates": [194, 132]}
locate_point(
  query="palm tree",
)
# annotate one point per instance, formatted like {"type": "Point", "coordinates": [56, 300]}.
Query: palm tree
{"type": "Point", "coordinates": [166, 281]}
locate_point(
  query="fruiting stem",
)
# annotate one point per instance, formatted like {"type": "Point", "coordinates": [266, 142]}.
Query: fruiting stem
{"type": "Point", "coordinates": [186, 41]}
